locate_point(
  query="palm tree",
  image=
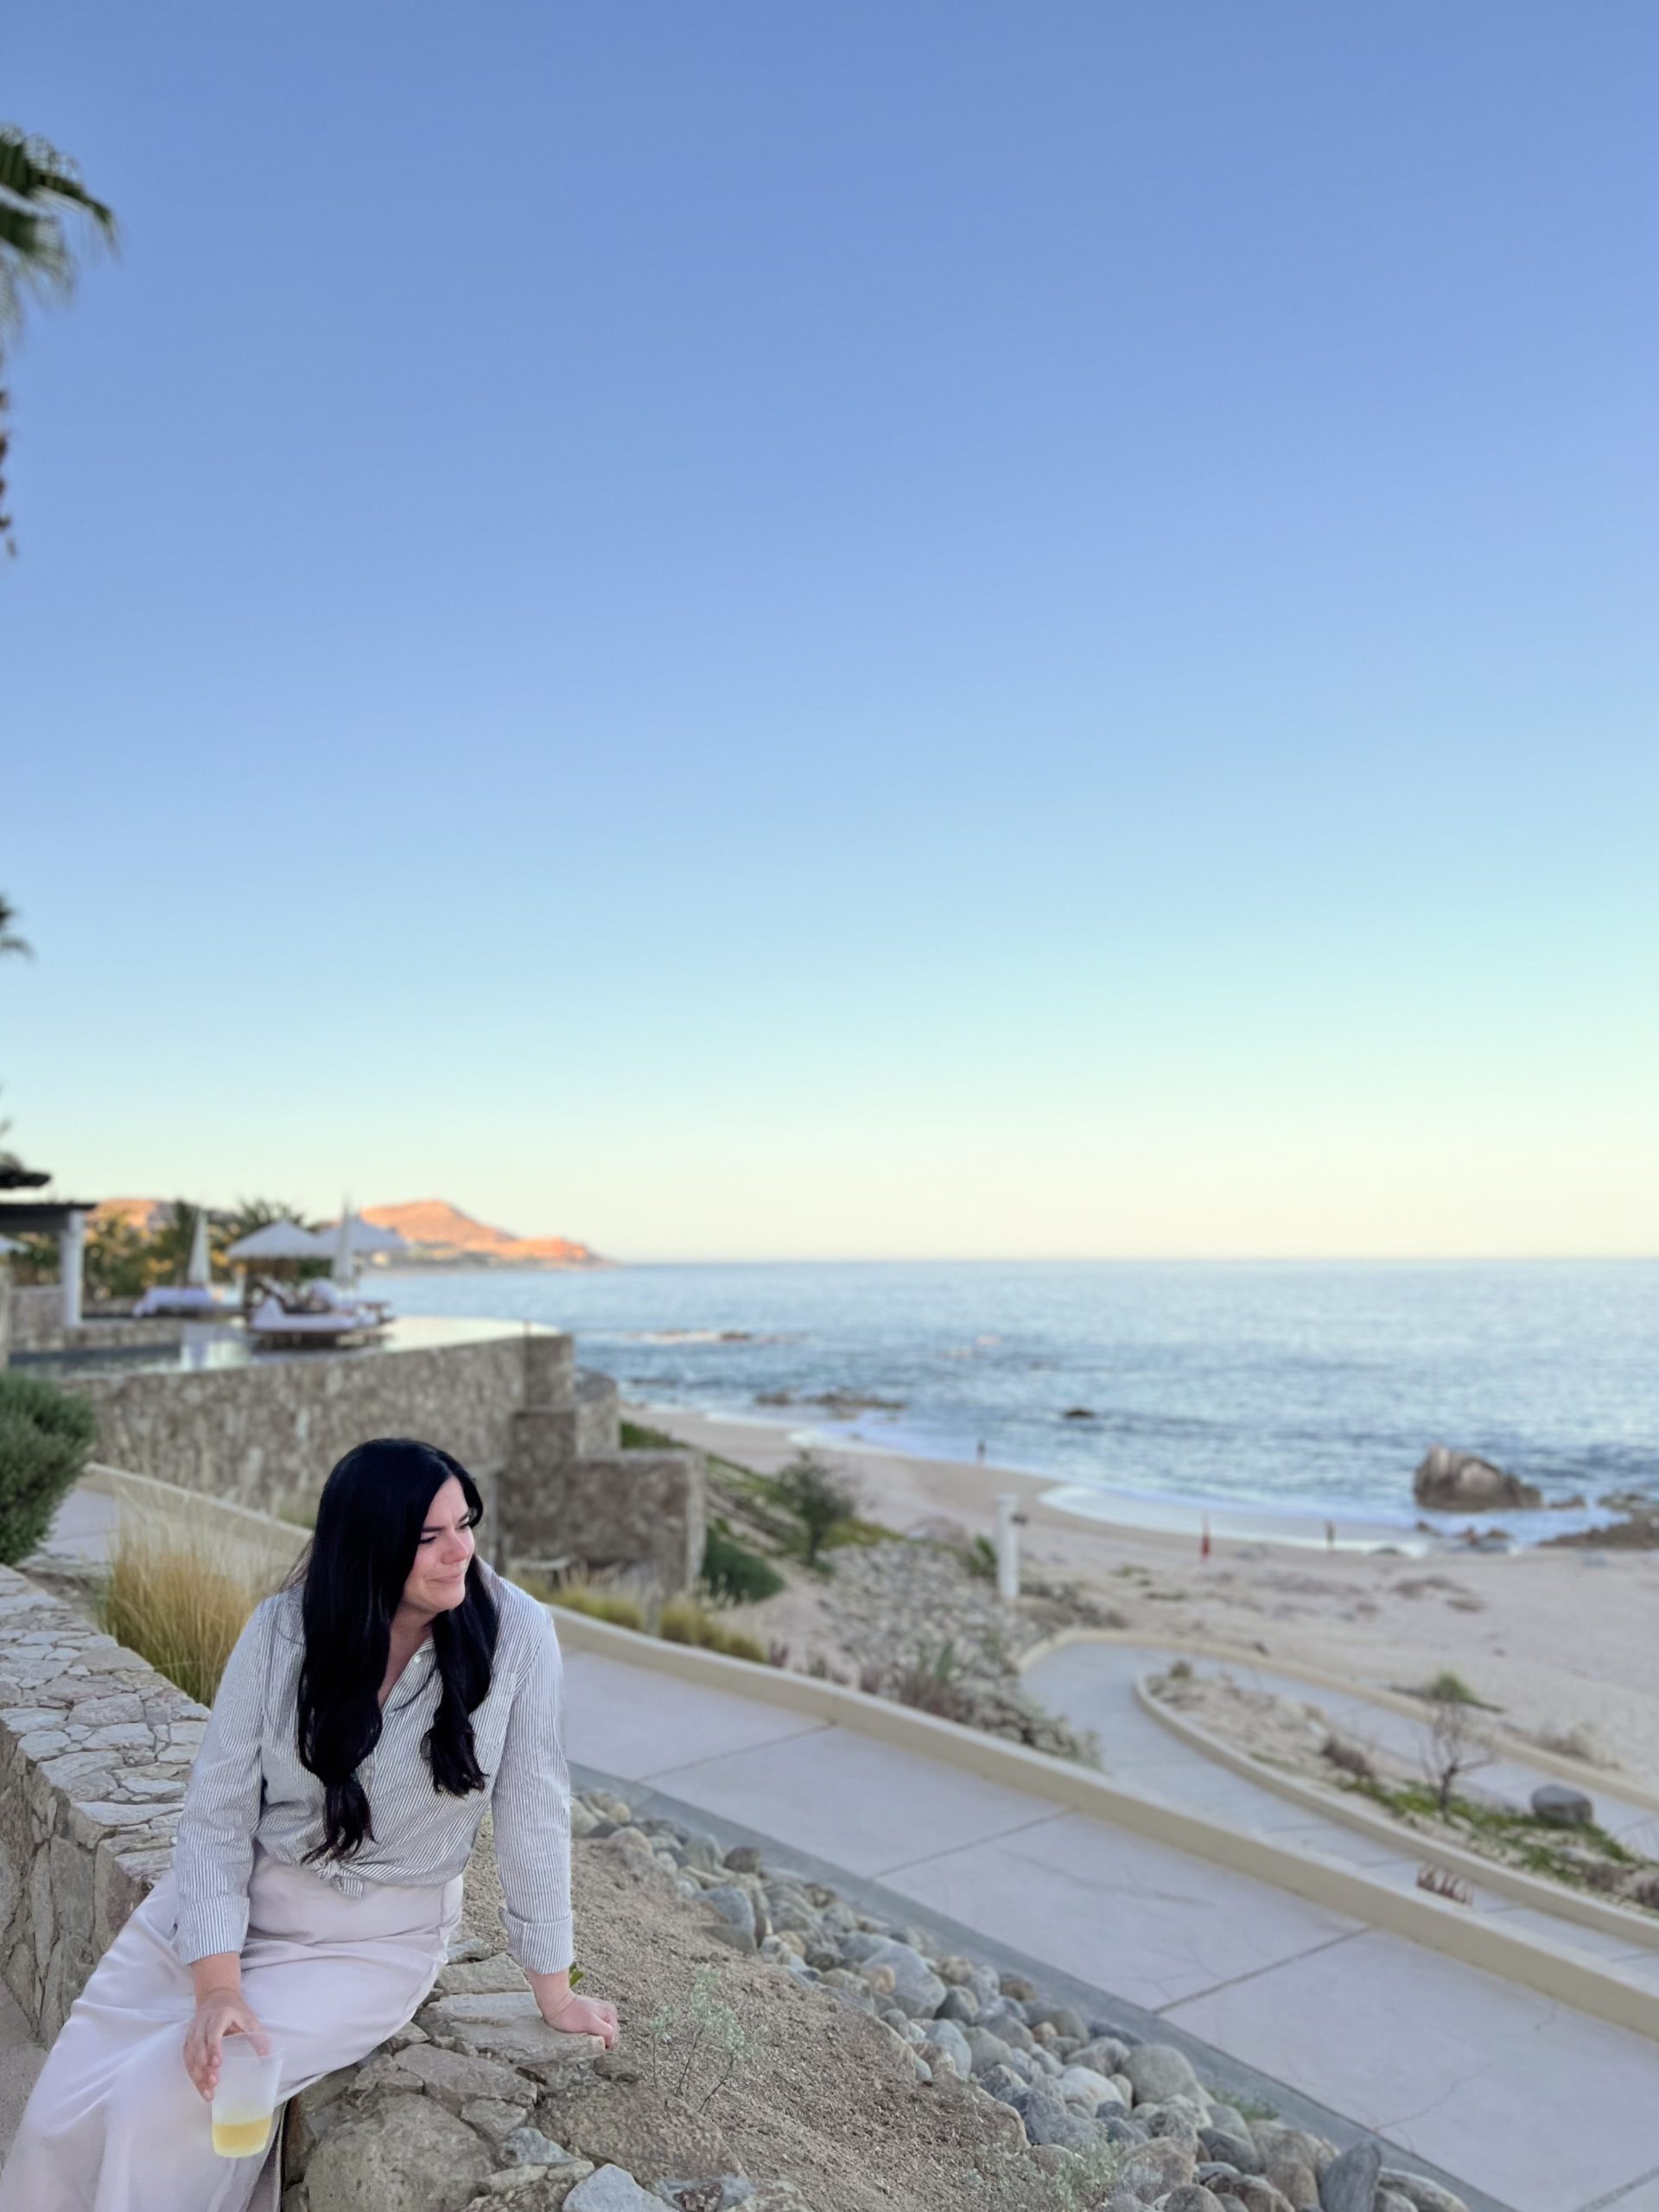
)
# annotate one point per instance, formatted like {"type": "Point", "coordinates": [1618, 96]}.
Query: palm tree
{"type": "Point", "coordinates": [42, 196]}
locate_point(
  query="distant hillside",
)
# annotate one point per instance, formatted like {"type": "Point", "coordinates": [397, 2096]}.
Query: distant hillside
{"type": "Point", "coordinates": [146, 1215]}
{"type": "Point", "coordinates": [441, 1235]}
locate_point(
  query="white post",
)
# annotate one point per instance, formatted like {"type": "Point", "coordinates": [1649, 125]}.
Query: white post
{"type": "Point", "coordinates": [1008, 1547]}
{"type": "Point", "coordinates": [72, 1247]}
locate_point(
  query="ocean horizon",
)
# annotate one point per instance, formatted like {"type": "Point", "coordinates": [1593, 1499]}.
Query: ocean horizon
{"type": "Point", "coordinates": [1289, 1388]}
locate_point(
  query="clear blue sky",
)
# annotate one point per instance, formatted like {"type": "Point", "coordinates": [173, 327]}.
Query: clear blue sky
{"type": "Point", "coordinates": [865, 626]}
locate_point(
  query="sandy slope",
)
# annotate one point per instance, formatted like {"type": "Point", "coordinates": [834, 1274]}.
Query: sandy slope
{"type": "Point", "coordinates": [1559, 1639]}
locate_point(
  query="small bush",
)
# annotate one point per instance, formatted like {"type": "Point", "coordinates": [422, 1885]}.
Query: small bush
{"type": "Point", "coordinates": [180, 1601]}
{"type": "Point", "coordinates": [979, 1559]}
{"type": "Point", "coordinates": [1351, 1758]}
{"type": "Point", "coordinates": [817, 1497]}
{"type": "Point", "coordinates": [1448, 1688]}
{"type": "Point", "coordinates": [620, 1607]}
{"type": "Point", "coordinates": [46, 1439]}
{"type": "Point", "coordinates": [683, 1620]}
{"type": "Point", "coordinates": [733, 1572]}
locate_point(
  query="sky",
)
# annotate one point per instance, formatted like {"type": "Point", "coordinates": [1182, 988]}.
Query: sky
{"type": "Point", "coordinates": [902, 627]}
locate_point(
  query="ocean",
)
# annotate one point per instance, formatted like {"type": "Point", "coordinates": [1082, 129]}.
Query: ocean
{"type": "Point", "coordinates": [1287, 1388]}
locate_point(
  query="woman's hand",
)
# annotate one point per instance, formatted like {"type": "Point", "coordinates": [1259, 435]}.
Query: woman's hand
{"type": "Point", "coordinates": [561, 2007]}
{"type": "Point", "coordinates": [219, 2014]}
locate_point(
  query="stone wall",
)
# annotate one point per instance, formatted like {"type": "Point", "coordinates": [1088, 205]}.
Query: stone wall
{"type": "Point", "coordinates": [95, 1749]}
{"type": "Point", "coordinates": [265, 1435]}
{"type": "Point", "coordinates": [33, 1322]}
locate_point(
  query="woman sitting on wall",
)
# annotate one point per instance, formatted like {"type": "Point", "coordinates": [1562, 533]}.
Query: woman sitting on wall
{"type": "Point", "coordinates": [367, 1716]}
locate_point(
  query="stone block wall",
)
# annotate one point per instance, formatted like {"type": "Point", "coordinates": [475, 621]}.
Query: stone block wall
{"type": "Point", "coordinates": [266, 1435]}
{"type": "Point", "coordinates": [31, 1320]}
{"type": "Point", "coordinates": [95, 1750]}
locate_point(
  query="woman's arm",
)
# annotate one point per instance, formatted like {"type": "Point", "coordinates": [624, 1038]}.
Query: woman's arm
{"type": "Point", "coordinates": [213, 1857]}
{"type": "Point", "coordinates": [530, 1799]}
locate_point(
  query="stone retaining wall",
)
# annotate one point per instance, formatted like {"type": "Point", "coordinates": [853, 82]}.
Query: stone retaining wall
{"type": "Point", "coordinates": [31, 1321]}
{"type": "Point", "coordinates": [266, 1435]}
{"type": "Point", "coordinates": [95, 1749]}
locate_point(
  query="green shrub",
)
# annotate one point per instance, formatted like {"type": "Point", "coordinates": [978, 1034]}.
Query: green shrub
{"type": "Point", "coordinates": [731, 1571]}
{"type": "Point", "coordinates": [46, 1439]}
{"type": "Point", "coordinates": [818, 1499]}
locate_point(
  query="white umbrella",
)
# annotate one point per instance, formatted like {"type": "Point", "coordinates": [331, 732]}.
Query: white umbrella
{"type": "Point", "coordinates": [345, 1268]}
{"type": "Point", "coordinates": [198, 1274]}
{"type": "Point", "coordinates": [370, 1236]}
{"type": "Point", "coordinates": [280, 1240]}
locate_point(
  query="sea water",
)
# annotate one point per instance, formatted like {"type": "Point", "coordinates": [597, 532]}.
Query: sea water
{"type": "Point", "coordinates": [1283, 1388]}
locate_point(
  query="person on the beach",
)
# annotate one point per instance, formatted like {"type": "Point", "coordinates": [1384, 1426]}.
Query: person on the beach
{"type": "Point", "coordinates": [368, 1714]}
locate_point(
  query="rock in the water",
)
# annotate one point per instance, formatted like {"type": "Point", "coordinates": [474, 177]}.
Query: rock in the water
{"type": "Point", "coordinates": [1159, 2070]}
{"type": "Point", "coordinates": [610, 2189]}
{"type": "Point", "coordinates": [1565, 1806]}
{"type": "Point", "coordinates": [1349, 2182]}
{"type": "Point", "coordinates": [1460, 1482]}
{"type": "Point", "coordinates": [408, 2156]}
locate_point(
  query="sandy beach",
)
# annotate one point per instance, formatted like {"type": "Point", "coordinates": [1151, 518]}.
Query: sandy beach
{"type": "Point", "coordinates": [1562, 1640]}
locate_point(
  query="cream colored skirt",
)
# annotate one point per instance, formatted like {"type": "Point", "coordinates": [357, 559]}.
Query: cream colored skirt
{"type": "Point", "coordinates": [115, 2124]}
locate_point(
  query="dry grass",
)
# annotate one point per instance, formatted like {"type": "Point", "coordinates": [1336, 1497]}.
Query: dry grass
{"type": "Point", "coordinates": [683, 1620]}
{"type": "Point", "coordinates": [180, 1600]}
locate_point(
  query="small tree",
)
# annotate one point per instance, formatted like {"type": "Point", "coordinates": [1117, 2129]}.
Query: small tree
{"type": "Point", "coordinates": [1454, 1747]}
{"type": "Point", "coordinates": [817, 1497]}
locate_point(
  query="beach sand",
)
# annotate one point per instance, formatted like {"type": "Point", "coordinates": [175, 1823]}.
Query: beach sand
{"type": "Point", "coordinates": [1562, 1640]}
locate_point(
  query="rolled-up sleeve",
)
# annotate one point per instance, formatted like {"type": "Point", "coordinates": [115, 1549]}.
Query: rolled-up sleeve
{"type": "Point", "coordinates": [213, 1856]}
{"type": "Point", "coordinates": [531, 1804]}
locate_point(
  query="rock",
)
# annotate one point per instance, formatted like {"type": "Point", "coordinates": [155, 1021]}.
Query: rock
{"type": "Point", "coordinates": [609, 2189]}
{"type": "Point", "coordinates": [494, 2118]}
{"type": "Point", "coordinates": [1193, 2197]}
{"type": "Point", "coordinates": [949, 2038]}
{"type": "Point", "coordinates": [1061, 2018]}
{"type": "Point", "coordinates": [1104, 2053]}
{"type": "Point", "coordinates": [1253, 2194]}
{"type": "Point", "coordinates": [1293, 2178]}
{"type": "Point", "coordinates": [1081, 2084]}
{"type": "Point", "coordinates": [719, 2193]}
{"type": "Point", "coordinates": [1152, 2169]}
{"type": "Point", "coordinates": [409, 2155]}
{"type": "Point", "coordinates": [1158, 2070]}
{"type": "Point", "coordinates": [745, 1858]}
{"type": "Point", "coordinates": [1459, 1482]}
{"type": "Point", "coordinates": [451, 2076]}
{"type": "Point", "coordinates": [1349, 2182]}
{"type": "Point", "coordinates": [1389, 2200]}
{"type": "Point", "coordinates": [917, 1988]}
{"type": "Point", "coordinates": [1421, 2194]}
{"type": "Point", "coordinates": [1563, 1806]}
{"type": "Point", "coordinates": [1236, 2150]}
{"type": "Point", "coordinates": [959, 2005]}
{"type": "Point", "coordinates": [527, 2146]}
{"type": "Point", "coordinates": [735, 1907]}
{"type": "Point", "coordinates": [510, 2027]}
{"type": "Point", "coordinates": [1049, 2119]}
{"type": "Point", "coordinates": [985, 2049]}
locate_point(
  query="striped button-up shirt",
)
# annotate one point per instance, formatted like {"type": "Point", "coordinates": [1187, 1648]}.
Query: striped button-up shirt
{"type": "Point", "coordinates": [248, 1786]}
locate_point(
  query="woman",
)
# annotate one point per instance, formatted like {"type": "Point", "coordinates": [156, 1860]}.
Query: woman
{"type": "Point", "coordinates": [367, 1716]}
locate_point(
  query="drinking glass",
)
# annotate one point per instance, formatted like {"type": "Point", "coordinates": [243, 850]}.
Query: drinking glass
{"type": "Point", "coordinates": [245, 2103]}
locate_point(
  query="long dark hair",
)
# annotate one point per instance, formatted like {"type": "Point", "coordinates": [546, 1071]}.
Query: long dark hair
{"type": "Point", "coordinates": [369, 1522]}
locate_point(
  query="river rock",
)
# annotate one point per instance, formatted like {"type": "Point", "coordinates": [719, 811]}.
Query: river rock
{"type": "Point", "coordinates": [1423, 2195]}
{"type": "Point", "coordinates": [1349, 2182]}
{"type": "Point", "coordinates": [1193, 2197]}
{"type": "Point", "coordinates": [1158, 2070]}
{"type": "Point", "coordinates": [1150, 2170]}
{"type": "Point", "coordinates": [1563, 1806]}
{"type": "Point", "coordinates": [1460, 1482]}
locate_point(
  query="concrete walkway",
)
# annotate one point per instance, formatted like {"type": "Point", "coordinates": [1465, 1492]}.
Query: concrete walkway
{"type": "Point", "coordinates": [1093, 1685]}
{"type": "Point", "coordinates": [1540, 2107]}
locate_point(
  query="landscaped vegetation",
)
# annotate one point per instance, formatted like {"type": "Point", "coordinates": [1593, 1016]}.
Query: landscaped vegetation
{"type": "Point", "coordinates": [180, 1601]}
{"type": "Point", "coordinates": [46, 1439]}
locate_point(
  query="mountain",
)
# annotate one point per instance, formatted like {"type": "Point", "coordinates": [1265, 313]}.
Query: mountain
{"type": "Point", "coordinates": [441, 1235]}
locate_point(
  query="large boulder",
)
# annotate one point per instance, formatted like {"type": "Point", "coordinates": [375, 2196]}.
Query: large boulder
{"type": "Point", "coordinates": [1563, 1806]}
{"type": "Point", "coordinates": [408, 2155]}
{"type": "Point", "coordinates": [1460, 1482]}
{"type": "Point", "coordinates": [1159, 2070]}
{"type": "Point", "coordinates": [1348, 2183]}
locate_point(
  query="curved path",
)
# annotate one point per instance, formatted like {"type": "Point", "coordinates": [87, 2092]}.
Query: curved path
{"type": "Point", "coordinates": [1540, 2107]}
{"type": "Point", "coordinates": [1093, 1684]}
